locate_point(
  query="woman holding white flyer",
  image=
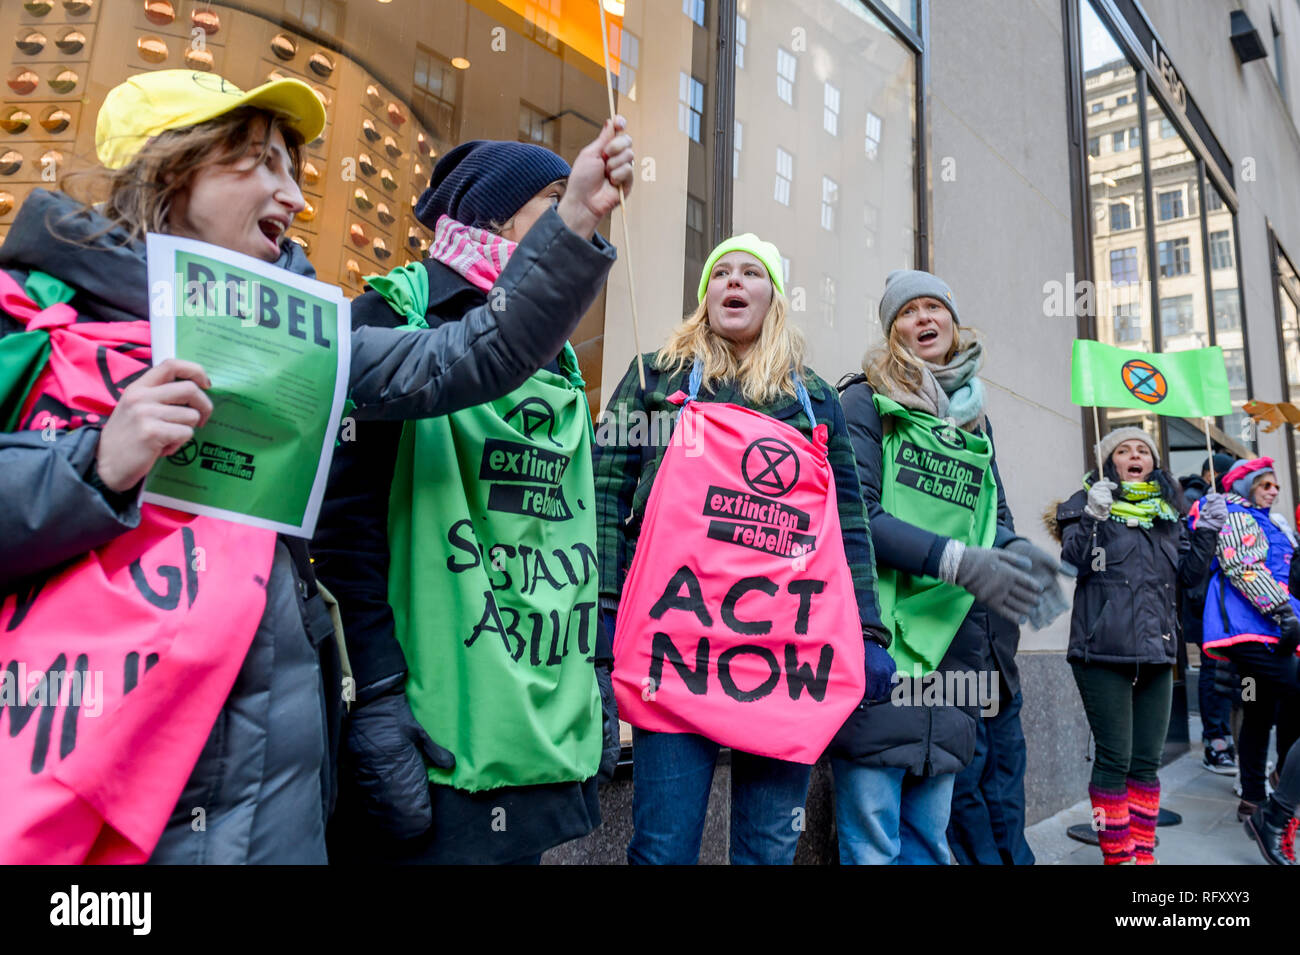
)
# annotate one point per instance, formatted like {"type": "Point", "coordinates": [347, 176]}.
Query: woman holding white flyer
{"type": "Point", "coordinates": [203, 647]}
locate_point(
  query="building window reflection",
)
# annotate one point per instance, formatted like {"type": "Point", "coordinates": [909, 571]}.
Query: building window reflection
{"type": "Point", "coordinates": [830, 196]}
{"type": "Point", "coordinates": [784, 175]}
{"type": "Point", "coordinates": [535, 127]}
{"type": "Point", "coordinates": [831, 110]}
{"type": "Point", "coordinates": [325, 16]}
{"type": "Point", "coordinates": [1171, 205]}
{"type": "Point", "coordinates": [786, 65]}
{"type": "Point", "coordinates": [1221, 250]}
{"type": "Point", "coordinates": [435, 84]}
{"type": "Point", "coordinates": [690, 106]}
{"type": "Point", "coordinates": [1124, 265]}
{"type": "Point", "coordinates": [874, 124]}
{"type": "Point", "coordinates": [1174, 257]}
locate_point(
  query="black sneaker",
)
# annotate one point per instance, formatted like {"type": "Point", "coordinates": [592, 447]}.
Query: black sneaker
{"type": "Point", "coordinates": [1221, 761]}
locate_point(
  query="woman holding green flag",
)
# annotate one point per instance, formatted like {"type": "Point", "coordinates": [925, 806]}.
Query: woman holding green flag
{"type": "Point", "coordinates": [954, 582]}
{"type": "Point", "coordinates": [1124, 533]}
{"type": "Point", "coordinates": [463, 553]}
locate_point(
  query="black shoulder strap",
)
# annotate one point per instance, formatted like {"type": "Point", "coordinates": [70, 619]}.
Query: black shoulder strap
{"type": "Point", "coordinates": [850, 379]}
{"type": "Point", "coordinates": [302, 561]}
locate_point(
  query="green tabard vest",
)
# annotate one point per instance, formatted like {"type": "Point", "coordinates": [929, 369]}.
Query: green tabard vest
{"type": "Point", "coordinates": [938, 477]}
{"type": "Point", "coordinates": [493, 584]}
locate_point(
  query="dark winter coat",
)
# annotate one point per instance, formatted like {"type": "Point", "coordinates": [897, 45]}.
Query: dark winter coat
{"type": "Point", "coordinates": [352, 559]}
{"type": "Point", "coordinates": [1126, 593]}
{"type": "Point", "coordinates": [924, 740]}
{"type": "Point", "coordinates": [265, 775]}
{"type": "Point", "coordinates": [1193, 489]}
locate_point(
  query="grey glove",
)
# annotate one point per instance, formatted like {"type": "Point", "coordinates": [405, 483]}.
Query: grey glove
{"type": "Point", "coordinates": [1001, 581]}
{"type": "Point", "coordinates": [1101, 497]}
{"type": "Point", "coordinates": [1044, 567]}
{"type": "Point", "coordinates": [1213, 513]}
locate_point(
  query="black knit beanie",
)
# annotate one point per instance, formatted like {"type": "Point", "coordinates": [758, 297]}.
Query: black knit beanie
{"type": "Point", "coordinates": [485, 181]}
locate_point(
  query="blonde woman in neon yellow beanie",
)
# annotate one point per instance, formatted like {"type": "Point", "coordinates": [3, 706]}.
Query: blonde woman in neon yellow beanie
{"type": "Point", "coordinates": [748, 353]}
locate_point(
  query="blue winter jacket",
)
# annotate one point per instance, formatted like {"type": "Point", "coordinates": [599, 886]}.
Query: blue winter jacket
{"type": "Point", "coordinates": [1230, 617]}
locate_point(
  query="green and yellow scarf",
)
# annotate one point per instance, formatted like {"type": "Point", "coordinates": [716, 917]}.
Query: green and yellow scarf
{"type": "Point", "coordinates": [1140, 502]}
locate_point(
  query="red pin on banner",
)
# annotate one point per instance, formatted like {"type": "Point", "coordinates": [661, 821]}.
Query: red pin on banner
{"type": "Point", "coordinates": [622, 200]}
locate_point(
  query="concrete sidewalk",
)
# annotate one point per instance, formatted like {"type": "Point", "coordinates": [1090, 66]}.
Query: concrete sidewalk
{"type": "Point", "coordinates": [1208, 835]}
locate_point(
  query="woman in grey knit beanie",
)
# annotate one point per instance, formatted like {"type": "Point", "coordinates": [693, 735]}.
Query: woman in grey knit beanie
{"type": "Point", "coordinates": [955, 581]}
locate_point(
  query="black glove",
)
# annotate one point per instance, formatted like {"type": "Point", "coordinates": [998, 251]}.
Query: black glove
{"type": "Point", "coordinates": [612, 746]}
{"type": "Point", "coordinates": [384, 745]}
{"type": "Point", "coordinates": [1289, 626]}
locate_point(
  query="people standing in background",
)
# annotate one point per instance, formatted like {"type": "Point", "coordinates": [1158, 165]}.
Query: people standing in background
{"type": "Point", "coordinates": [1251, 620]}
{"type": "Point", "coordinates": [1215, 706]}
{"type": "Point", "coordinates": [1124, 534]}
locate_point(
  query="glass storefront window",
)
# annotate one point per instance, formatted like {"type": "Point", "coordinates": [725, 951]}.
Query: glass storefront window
{"type": "Point", "coordinates": [1224, 282]}
{"type": "Point", "coordinates": [1189, 234]}
{"type": "Point", "coordinates": [822, 152]}
{"type": "Point", "coordinates": [1288, 318]}
{"type": "Point", "coordinates": [835, 131]}
{"type": "Point", "coordinates": [1116, 191]}
{"type": "Point", "coordinates": [1180, 275]}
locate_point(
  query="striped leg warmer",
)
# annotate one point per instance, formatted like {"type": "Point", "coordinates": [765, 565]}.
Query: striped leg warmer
{"type": "Point", "coordinates": [1110, 813]}
{"type": "Point", "coordinates": [1143, 808]}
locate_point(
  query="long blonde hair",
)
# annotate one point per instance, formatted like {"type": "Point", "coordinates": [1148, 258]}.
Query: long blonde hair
{"type": "Point", "coordinates": [763, 374]}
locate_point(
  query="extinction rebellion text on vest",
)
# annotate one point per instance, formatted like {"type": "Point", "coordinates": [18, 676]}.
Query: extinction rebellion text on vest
{"type": "Point", "coordinates": [938, 475]}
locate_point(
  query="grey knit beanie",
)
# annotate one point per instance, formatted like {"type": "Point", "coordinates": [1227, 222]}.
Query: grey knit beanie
{"type": "Point", "coordinates": [1107, 445]}
{"type": "Point", "coordinates": [903, 285]}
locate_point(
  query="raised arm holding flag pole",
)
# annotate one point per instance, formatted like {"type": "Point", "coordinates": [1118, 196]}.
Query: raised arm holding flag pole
{"type": "Point", "coordinates": [1126, 535]}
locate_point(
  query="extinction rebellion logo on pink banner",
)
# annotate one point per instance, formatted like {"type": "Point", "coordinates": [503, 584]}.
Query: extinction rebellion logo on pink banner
{"type": "Point", "coordinates": [755, 520]}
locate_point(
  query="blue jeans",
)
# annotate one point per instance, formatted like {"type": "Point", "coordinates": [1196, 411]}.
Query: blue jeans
{"type": "Point", "coordinates": [671, 777]}
{"type": "Point", "coordinates": [987, 825]}
{"type": "Point", "coordinates": [887, 816]}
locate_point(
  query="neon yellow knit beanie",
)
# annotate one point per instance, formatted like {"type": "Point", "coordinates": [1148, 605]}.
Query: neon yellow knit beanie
{"type": "Point", "coordinates": [765, 252]}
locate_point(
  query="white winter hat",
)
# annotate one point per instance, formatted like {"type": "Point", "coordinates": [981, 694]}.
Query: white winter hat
{"type": "Point", "coordinates": [1107, 445]}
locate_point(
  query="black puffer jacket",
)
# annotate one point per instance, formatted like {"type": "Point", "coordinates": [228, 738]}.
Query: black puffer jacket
{"type": "Point", "coordinates": [265, 777]}
{"type": "Point", "coordinates": [1126, 594]}
{"type": "Point", "coordinates": [924, 740]}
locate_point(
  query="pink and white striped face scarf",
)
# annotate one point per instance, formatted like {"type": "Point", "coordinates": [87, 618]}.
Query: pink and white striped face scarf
{"type": "Point", "coordinates": [480, 256]}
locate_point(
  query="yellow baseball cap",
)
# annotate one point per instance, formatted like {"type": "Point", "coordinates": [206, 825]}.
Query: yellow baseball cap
{"type": "Point", "coordinates": [153, 102]}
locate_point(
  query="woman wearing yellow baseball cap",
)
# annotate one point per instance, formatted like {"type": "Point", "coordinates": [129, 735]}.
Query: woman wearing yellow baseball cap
{"type": "Point", "coordinates": [83, 417]}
